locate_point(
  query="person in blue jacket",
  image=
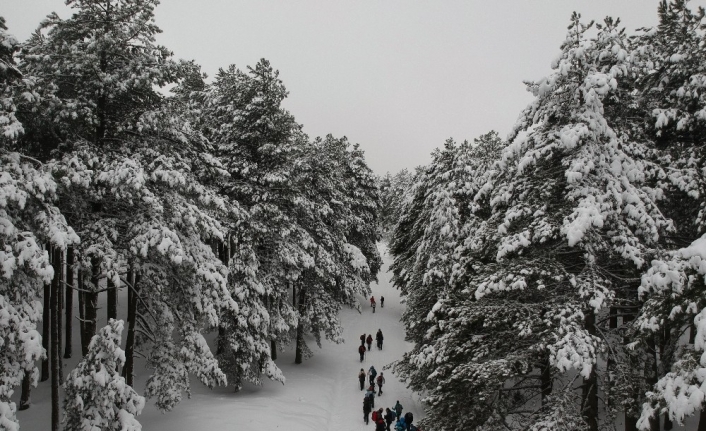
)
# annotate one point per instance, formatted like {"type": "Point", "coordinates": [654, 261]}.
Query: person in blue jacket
{"type": "Point", "coordinates": [401, 425]}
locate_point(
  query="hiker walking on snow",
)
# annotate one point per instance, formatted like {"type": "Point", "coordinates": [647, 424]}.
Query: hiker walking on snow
{"type": "Point", "coordinates": [389, 418]}
{"type": "Point", "coordinates": [382, 302]}
{"type": "Point", "coordinates": [408, 418]}
{"type": "Point", "coordinates": [367, 406]}
{"type": "Point", "coordinates": [380, 380]}
{"type": "Point", "coordinates": [361, 350]}
{"type": "Point", "coordinates": [401, 425]}
{"type": "Point", "coordinates": [369, 340]}
{"type": "Point", "coordinates": [398, 409]}
{"type": "Point", "coordinates": [372, 303]}
{"type": "Point", "coordinates": [380, 421]}
{"type": "Point", "coordinates": [361, 378]}
{"type": "Point", "coordinates": [362, 340]}
{"type": "Point", "coordinates": [379, 338]}
{"type": "Point", "coordinates": [370, 394]}
{"type": "Point", "coordinates": [372, 373]}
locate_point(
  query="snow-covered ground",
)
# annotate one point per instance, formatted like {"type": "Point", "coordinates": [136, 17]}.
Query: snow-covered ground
{"type": "Point", "coordinates": [323, 393]}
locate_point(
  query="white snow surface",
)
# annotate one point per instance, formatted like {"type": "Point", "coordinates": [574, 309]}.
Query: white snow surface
{"type": "Point", "coordinates": [323, 393]}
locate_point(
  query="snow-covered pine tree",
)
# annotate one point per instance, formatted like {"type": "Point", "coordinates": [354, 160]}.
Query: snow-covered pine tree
{"type": "Point", "coordinates": [138, 179]}
{"type": "Point", "coordinates": [97, 397]}
{"type": "Point", "coordinates": [30, 218]}
{"type": "Point", "coordinates": [670, 64]}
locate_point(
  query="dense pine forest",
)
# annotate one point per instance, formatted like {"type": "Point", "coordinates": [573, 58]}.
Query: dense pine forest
{"type": "Point", "coordinates": [553, 279]}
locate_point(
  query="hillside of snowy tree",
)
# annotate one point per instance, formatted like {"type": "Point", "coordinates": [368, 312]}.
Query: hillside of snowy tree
{"type": "Point", "coordinates": [176, 252]}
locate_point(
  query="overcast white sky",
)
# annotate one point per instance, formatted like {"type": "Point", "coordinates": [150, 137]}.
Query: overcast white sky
{"type": "Point", "coordinates": [396, 76]}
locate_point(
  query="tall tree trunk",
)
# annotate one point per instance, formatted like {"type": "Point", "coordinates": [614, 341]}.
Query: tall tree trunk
{"type": "Point", "coordinates": [128, 369]}
{"type": "Point", "coordinates": [59, 316]}
{"type": "Point", "coordinates": [651, 373]}
{"type": "Point", "coordinates": [546, 378]}
{"type": "Point", "coordinates": [273, 349]}
{"type": "Point", "coordinates": [46, 323]}
{"type": "Point", "coordinates": [91, 302]}
{"type": "Point", "coordinates": [630, 423]}
{"type": "Point", "coordinates": [112, 300]}
{"type": "Point", "coordinates": [69, 301]}
{"type": "Point", "coordinates": [26, 390]}
{"type": "Point", "coordinates": [702, 420]}
{"type": "Point", "coordinates": [299, 354]}
{"type": "Point", "coordinates": [590, 384]}
{"type": "Point", "coordinates": [54, 351]}
{"type": "Point", "coordinates": [82, 313]}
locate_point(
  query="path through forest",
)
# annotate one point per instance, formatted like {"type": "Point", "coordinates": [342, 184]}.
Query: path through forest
{"type": "Point", "coordinates": [320, 394]}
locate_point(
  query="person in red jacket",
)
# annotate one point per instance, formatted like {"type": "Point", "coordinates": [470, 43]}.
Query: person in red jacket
{"type": "Point", "coordinates": [369, 340]}
{"type": "Point", "coordinates": [361, 351]}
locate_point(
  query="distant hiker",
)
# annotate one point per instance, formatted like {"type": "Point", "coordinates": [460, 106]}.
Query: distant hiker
{"type": "Point", "coordinates": [367, 406]}
{"type": "Point", "coordinates": [408, 418]}
{"type": "Point", "coordinates": [372, 373]}
{"type": "Point", "coordinates": [398, 409]}
{"type": "Point", "coordinates": [380, 380]}
{"type": "Point", "coordinates": [401, 425]}
{"type": "Point", "coordinates": [372, 303]}
{"type": "Point", "coordinates": [362, 340]}
{"type": "Point", "coordinates": [389, 418]}
{"type": "Point", "coordinates": [379, 338]}
{"type": "Point", "coordinates": [369, 340]}
{"type": "Point", "coordinates": [361, 376]}
{"type": "Point", "coordinates": [380, 421]}
{"type": "Point", "coordinates": [361, 350]}
{"type": "Point", "coordinates": [370, 394]}
{"type": "Point", "coordinates": [382, 302]}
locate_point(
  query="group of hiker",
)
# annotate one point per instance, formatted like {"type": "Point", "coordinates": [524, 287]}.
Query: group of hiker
{"type": "Point", "coordinates": [369, 340]}
{"type": "Point", "coordinates": [372, 302]}
{"type": "Point", "coordinates": [382, 419]}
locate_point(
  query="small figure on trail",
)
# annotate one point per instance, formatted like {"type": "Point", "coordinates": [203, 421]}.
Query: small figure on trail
{"type": "Point", "coordinates": [372, 303]}
{"type": "Point", "coordinates": [389, 417]}
{"type": "Point", "coordinates": [372, 373]}
{"type": "Point", "coordinates": [380, 380]}
{"type": "Point", "coordinates": [398, 409]}
{"type": "Point", "coordinates": [361, 378]}
{"type": "Point", "coordinates": [380, 421]}
{"type": "Point", "coordinates": [369, 340]}
{"type": "Point", "coordinates": [408, 418]}
{"type": "Point", "coordinates": [362, 340]}
{"type": "Point", "coordinates": [382, 302]}
{"type": "Point", "coordinates": [379, 338]}
{"type": "Point", "coordinates": [370, 393]}
{"type": "Point", "coordinates": [361, 351]}
{"type": "Point", "coordinates": [367, 406]}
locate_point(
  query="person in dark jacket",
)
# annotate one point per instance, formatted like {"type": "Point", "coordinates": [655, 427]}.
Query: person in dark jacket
{"type": "Point", "coordinates": [408, 418]}
{"type": "Point", "coordinates": [367, 406]}
{"type": "Point", "coordinates": [398, 409]}
{"type": "Point", "coordinates": [382, 302]}
{"type": "Point", "coordinates": [362, 340]}
{"type": "Point", "coordinates": [369, 340]}
{"type": "Point", "coordinates": [361, 352]}
{"type": "Point", "coordinates": [372, 373]}
{"type": "Point", "coordinates": [380, 381]}
{"type": "Point", "coordinates": [389, 417]}
{"type": "Point", "coordinates": [361, 378]}
{"type": "Point", "coordinates": [378, 338]}
{"type": "Point", "coordinates": [371, 395]}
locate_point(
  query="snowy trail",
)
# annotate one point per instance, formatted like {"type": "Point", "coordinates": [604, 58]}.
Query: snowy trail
{"type": "Point", "coordinates": [320, 394]}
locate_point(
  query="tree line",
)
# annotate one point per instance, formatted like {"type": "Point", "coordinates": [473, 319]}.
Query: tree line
{"type": "Point", "coordinates": [201, 201]}
{"type": "Point", "coordinates": [556, 279]}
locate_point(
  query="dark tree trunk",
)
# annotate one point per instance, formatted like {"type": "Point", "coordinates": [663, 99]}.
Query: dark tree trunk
{"type": "Point", "coordinates": [613, 321]}
{"type": "Point", "coordinates": [61, 257]}
{"type": "Point", "coordinates": [299, 354]}
{"type": "Point", "coordinates": [55, 345]}
{"type": "Point", "coordinates": [112, 300]}
{"type": "Point", "coordinates": [590, 384]}
{"type": "Point", "coordinates": [91, 302]}
{"type": "Point", "coordinates": [221, 343]}
{"type": "Point", "coordinates": [128, 369]}
{"type": "Point", "coordinates": [46, 323]}
{"type": "Point", "coordinates": [69, 301]}
{"type": "Point", "coordinates": [26, 390]}
{"type": "Point", "coordinates": [651, 373]}
{"type": "Point", "coordinates": [702, 420]}
{"type": "Point", "coordinates": [546, 378]}
{"type": "Point", "coordinates": [273, 350]}
{"type": "Point", "coordinates": [82, 314]}
{"type": "Point", "coordinates": [630, 423]}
